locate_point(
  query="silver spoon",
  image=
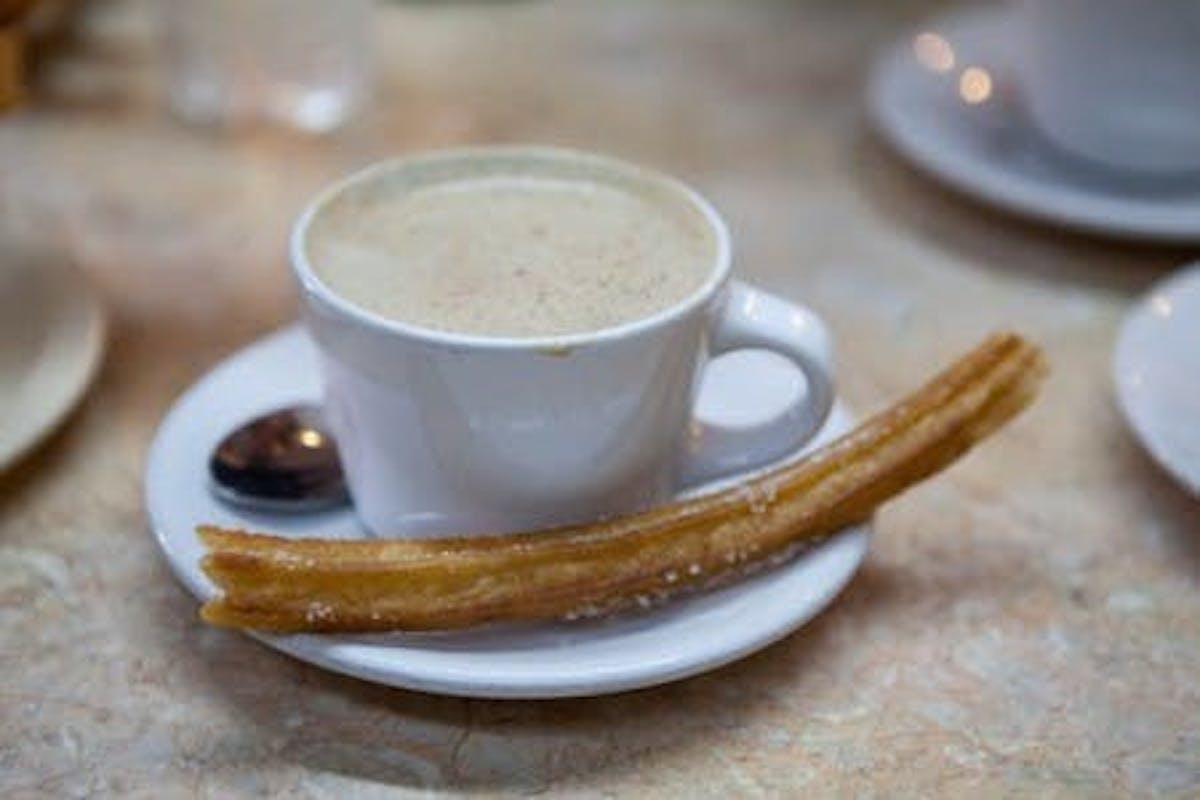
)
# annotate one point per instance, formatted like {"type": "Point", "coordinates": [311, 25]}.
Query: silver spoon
{"type": "Point", "coordinates": [283, 461]}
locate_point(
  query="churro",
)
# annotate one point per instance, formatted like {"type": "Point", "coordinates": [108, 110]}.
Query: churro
{"type": "Point", "coordinates": [284, 585]}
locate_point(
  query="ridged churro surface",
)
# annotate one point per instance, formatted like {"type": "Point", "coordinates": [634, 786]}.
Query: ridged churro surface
{"type": "Point", "coordinates": [283, 585]}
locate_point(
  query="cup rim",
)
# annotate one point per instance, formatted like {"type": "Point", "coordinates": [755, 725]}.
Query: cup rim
{"type": "Point", "coordinates": [314, 287]}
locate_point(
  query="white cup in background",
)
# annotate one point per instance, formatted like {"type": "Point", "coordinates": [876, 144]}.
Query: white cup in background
{"type": "Point", "coordinates": [1115, 82]}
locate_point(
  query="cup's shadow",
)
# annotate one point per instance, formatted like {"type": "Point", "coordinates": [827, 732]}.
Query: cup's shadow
{"type": "Point", "coordinates": [46, 456]}
{"type": "Point", "coordinates": [326, 723]}
{"type": "Point", "coordinates": [51, 453]}
{"type": "Point", "coordinates": [999, 239]}
{"type": "Point", "coordinates": [1159, 497]}
{"type": "Point", "coordinates": [339, 725]}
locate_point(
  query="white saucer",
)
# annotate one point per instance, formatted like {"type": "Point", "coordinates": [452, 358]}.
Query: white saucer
{"type": "Point", "coordinates": [990, 151]}
{"type": "Point", "coordinates": [560, 660]}
{"type": "Point", "coordinates": [1156, 366]}
{"type": "Point", "coordinates": [51, 342]}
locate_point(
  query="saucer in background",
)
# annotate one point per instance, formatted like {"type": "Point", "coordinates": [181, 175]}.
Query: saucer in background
{"type": "Point", "coordinates": [945, 96]}
{"type": "Point", "coordinates": [51, 343]}
{"type": "Point", "coordinates": [1156, 367]}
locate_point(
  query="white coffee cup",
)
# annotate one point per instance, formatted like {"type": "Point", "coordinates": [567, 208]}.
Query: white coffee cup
{"type": "Point", "coordinates": [1115, 82]}
{"type": "Point", "coordinates": [444, 433]}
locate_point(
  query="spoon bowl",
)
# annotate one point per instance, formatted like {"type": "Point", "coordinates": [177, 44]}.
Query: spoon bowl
{"type": "Point", "coordinates": [283, 461]}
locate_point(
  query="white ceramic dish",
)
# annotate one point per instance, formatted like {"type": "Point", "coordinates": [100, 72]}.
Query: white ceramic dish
{"type": "Point", "coordinates": [680, 639]}
{"type": "Point", "coordinates": [920, 97]}
{"type": "Point", "coordinates": [51, 343]}
{"type": "Point", "coordinates": [453, 431]}
{"type": "Point", "coordinates": [1156, 368]}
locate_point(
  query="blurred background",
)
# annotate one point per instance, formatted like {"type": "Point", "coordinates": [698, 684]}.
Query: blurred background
{"type": "Point", "coordinates": [1038, 599]}
{"type": "Point", "coordinates": [165, 147]}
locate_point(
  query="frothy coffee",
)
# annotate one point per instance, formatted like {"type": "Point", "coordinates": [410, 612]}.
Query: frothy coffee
{"type": "Point", "coordinates": [510, 255]}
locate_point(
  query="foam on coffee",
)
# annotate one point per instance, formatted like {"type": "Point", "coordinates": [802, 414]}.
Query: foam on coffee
{"type": "Point", "coordinates": [511, 255]}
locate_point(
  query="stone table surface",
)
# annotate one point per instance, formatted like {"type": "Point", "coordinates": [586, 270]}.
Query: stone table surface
{"type": "Point", "coordinates": [1026, 624]}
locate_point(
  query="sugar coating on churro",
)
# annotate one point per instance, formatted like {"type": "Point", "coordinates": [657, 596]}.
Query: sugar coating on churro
{"type": "Point", "coordinates": [634, 562]}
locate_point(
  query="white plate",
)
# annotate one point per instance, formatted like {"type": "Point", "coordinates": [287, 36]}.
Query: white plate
{"type": "Point", "coordinates": [51, 342]}
{"type": "Point", "coordinates": [989, 150]}
{"type": "Point", "coordinates": [555, 660]}
{"type": "Point", "coordinates": [1156, 366]}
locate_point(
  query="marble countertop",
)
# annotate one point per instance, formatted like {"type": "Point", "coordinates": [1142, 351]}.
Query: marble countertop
{"type": "Point", "coordinates": [1026, 624]}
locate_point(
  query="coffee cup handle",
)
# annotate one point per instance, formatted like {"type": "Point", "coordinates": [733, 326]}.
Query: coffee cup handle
{"type": "Point", "coordinates": [753, 319]}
